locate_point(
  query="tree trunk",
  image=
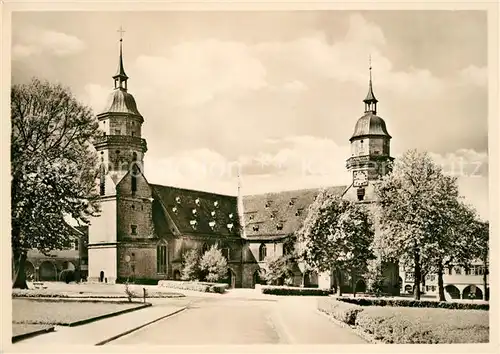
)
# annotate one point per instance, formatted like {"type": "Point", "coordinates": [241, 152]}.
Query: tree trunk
{"type": "Point", "coordinates": [441, 282]}
{"type": "Point", "coordinates": [20, 276]}
{"type": "Point", "coordinates": [353, 285]}
{"type": "Point", "coordinates": [339, 282]}
{"type": "Point", "coordinates": [485, 279]}
{"type": "Point", "coordinates": [417, 275]}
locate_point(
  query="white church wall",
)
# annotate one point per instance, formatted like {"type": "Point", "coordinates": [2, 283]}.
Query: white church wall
{"type": "Point", "coordinates": [103, 258]}
{"type": "Point", "coordinates": [103, 227]}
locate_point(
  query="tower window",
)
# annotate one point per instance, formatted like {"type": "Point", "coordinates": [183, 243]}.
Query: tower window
{"type": "Point", "coordinates": [133, 229]}
{"type": "Point", "coordinates": [76, 244]}
{"type": "Point", "coordinates": [133, 184]}
{"type": "Point", "coordinates": [279, 227]}
{"type": "Point", "coordinates": [256, 228]}
{"type": "Point", "coordinates": [361, 194]}
{"type": "Point", "coordinates": [118, 132]}
{"type": "Point", "coordinates": [230, 227]}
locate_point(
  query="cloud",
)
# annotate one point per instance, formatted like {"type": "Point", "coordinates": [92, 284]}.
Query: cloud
{"type": "Point", "coordinates": [193, 73]}
{"type": "Point", "coordinates": [463, 163]}
{"type": "Point", "coordinates": [95, 96]}
{"type": "Point", "coordinates": [474, 75]}
{"type": "Point", "coordinates": [37, 41]}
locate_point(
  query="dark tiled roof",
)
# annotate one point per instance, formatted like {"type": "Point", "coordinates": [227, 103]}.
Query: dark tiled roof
{"type": "Point", "coordinates": [274, 215]}
{"type": "Point", "coordinates": [209, 207]}
{"type": "Point", "coordinates": [370, 124]}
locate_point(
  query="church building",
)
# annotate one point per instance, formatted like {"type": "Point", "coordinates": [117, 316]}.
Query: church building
{"type": "Point", "coordinates": [144, 229]}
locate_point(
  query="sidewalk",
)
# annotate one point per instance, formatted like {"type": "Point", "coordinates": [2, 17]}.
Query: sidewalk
{"type": "Point", "coordinates": [103, 330]}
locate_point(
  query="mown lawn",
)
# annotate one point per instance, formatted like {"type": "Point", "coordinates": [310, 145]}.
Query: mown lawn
{"type": "Point", "coordinates": [24, 328]}
{"type": "Point", "coordinates": [62, 313]}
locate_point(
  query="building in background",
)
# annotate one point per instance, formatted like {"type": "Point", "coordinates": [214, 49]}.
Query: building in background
{"type": "Point", "coordinates": [40, 267]}
{"type": "Point", "coordinates": [144, 229]}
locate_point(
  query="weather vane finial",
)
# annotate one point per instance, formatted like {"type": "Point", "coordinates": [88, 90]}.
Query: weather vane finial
{"type": "Point", "coordinates": [370, 66]}
{"type": "Point", "coordinates": [121, 31]}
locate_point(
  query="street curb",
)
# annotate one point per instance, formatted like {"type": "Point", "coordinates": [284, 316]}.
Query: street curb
{"type": "Point", "coordinates": [20, 337]}
{"type": "Point", "coordinates": [96, 318]}
{"type": "Point", "coordinates": [101, 317]}
{"type": "Point", "coordinates": [364, 335]}
{"type": "Point", "coordinates": [141, 326]}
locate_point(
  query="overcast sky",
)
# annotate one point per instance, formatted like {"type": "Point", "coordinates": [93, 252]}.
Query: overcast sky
{"type": "Point", "coordinates": [280, 92]}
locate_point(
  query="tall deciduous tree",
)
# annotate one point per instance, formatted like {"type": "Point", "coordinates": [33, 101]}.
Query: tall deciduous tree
{"type": "Point", "coordinates": [53, 167]}
{"type": "Point", "coordinates": [415, 206]}
{"type": "Point", "coordinates": [336, 235]}
{"type": "Point", "coordinates": [482, 238]}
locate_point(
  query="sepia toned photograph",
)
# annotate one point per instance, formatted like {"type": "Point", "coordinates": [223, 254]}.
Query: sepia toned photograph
{"type": "Point", "coordinates": [314, 177]}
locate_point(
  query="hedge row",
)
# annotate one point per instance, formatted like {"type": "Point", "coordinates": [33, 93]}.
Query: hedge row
{"type": "Point", "coordinates": [411, 325]}
{"type": "Point", "coordinates": [424, 325]}
{"type": "Point", "coordinates": [219, 288]}
{"type": "Point", "coordinates": [138, 281]}
{"type": "Point", "coordinates": [414, 303]}
{"type": "Point", "coordinates": [286, 290]}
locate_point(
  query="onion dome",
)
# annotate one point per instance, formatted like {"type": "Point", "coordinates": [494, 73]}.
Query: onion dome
{"type": "Point", "coordinates": [120, 101]}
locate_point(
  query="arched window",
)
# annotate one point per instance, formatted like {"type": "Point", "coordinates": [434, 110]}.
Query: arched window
{"type": "Point", "coordinates": [262, 252]}
{"type": "Point", "coordinates": [161, 258]}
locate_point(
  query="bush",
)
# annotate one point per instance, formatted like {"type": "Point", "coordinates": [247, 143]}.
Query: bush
{"type": "Point", "coordinates": [339, 310]}
{"type": "Point", "coordinates": [194, 286]}
{"type": "Point", "coordinates": [213, 265]}
{"type": "Point", "coordinates": [67, 276]}
{"type": "Point", "coordinates": [279, 269]}
{"type": "Point", "coordinates": [191, 265]}
{"type": "Point", "coordinates": [414, 303]}
{"type": "Point", "coordinates": [428, 326]}
{"type": "Point", "coordinates": [286, 290]}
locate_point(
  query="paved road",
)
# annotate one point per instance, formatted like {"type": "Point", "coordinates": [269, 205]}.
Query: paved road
{"type": "Point", "coordinates": [233, 321]}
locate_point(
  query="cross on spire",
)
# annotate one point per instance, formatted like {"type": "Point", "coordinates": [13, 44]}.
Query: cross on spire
{"type": "Point", "coordinates": [121, 31]}
{"type": "Point", "coordinates": [370, 100]}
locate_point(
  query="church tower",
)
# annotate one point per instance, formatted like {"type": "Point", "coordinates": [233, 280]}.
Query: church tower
{"type": "Point", "coordinates": [370, 149]}
{"type": "Point", "coordinates": [121, 147]}
{"type": "Point", "coordinates": [121, 152]}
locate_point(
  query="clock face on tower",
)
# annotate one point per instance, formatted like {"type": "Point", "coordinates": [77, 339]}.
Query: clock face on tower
{"type": "Point", "coordinates": [360, 178]}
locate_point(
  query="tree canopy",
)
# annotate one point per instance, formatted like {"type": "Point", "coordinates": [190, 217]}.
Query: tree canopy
{"type": "Point", "coordinates": [53, 168]}
{"type": "Point", "coordinates": [336, 234]}
{"type": "Point", "coordinates": [423, 220]}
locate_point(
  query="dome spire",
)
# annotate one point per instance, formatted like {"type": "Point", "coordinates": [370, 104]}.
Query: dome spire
{"type": "Point", "coordinates": [120, 77]}
{"type": "Point", "coordinates": [370, 100]}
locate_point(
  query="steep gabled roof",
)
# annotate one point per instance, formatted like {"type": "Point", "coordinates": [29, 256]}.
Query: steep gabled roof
{"type": "Point", "coordinates": [276, 215]}
{"type": "Point", "coordinates": [209, 209]}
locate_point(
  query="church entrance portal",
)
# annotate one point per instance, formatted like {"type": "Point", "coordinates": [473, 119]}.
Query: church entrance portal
{"type": "Point", "coordinates": [231, 278]}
